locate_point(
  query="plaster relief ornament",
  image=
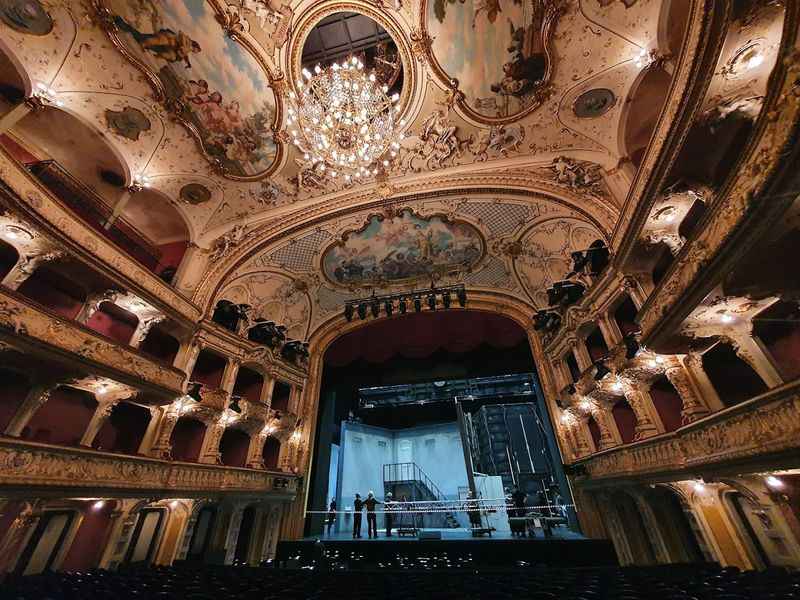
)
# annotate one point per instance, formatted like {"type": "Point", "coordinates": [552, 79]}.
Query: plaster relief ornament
{"type": "Point", "coordinates": [26, 16]}
{"type": "Point", "coordinates": [594, 103]}
{"type": "Point", "coordinates": [273, 17]}
{"type": "Point", "coordinates": [195, 193]}
{"type": "Point", "coordinates": [226, 243]}
{"type": "Point", "coordinates": [213, 83]}
{"type": "Point", "coordinates": [501, 139]}
{"type": "Point", "coordinates": [495, 52]}
{"type": "Point", "coordinates": [129, 122]}
{"type": "Point", "coordinates": [437, 146]}
{"type": "Point", "coordinates": [579, 177]}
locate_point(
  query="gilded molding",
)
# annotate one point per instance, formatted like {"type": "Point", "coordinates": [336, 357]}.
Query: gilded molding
{"type": "Point", "coordinates": [28, 464]}
{"type": "Point", "coordinates": [22, 323]}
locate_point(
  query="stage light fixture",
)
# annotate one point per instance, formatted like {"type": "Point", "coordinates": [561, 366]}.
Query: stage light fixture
{"type": "Point", "coordinates": [417, 304]}
{"type": "Point", "coordinates": [446, 299]}
{"type": "Point", "coordinates": [376, 308]}
{"type": "Point", "coordinates": [462, 297]}
{"type": "Point", "coordinates": [601, 370]}
{"type": "Point", "coordinates": [402, 306]}
{"type": "Point", "coordinates": [432, 301]}
{"type": "Point", "coordinates": [348, 312]}
{"type": "Point", "coordinates": [362, 311]}
{"type": "Point", "coordinates": [234, 405]}
{"type": "Point", "coordinates": [388, 307]}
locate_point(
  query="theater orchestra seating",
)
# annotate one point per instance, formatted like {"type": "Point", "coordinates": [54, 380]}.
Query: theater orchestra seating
{"type": "Point", "coordinates": [196, 582]}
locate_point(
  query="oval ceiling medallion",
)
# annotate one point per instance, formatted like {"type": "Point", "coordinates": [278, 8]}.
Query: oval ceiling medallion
{"type": "Point", "coordinates": [403, 249]}
{"type": "Point", "coordinates": [210, 80]}
{"type": "Point", "coordinates": [26, 16]}
{"type": "Point", "coordinates": [195, 193]}
{"type": "Point", "coordinates": [594, 103]}
{"type": "Point", "coordinates": [497, 52]}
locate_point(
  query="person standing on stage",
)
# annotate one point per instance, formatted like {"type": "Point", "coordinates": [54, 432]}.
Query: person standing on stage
{"type": "Point", "coordinates": [519, 498]}
{"type": "Point", "coordinates": [358, 506]}
{"type": "Point", "coordinates": [372, 520]}
{"type": "Point", "coordinates": [331, 515]}
{"type": "Point", "coordinates": [390, 507]}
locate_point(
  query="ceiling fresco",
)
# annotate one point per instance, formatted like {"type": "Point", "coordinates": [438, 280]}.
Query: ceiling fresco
{"type": "Point", "coordinates": [402, 248]}
{"type": "Point", "coordinates": [515, 150]}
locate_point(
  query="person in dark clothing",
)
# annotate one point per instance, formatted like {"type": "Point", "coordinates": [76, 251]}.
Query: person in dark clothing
{"type": "Point", "coordinates": [372, 519]}
{"type": "Point", "coordinates": [518, 498]}
{"type": "Point", "coordinates": [358, 506]}
{"type": "Point", "coordinates": [390, 507]}
{"type": "Point", "coordinates": [331, 515]}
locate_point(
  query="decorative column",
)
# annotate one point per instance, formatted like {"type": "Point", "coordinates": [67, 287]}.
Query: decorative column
{"type": "Point", "coordinates": [161, 446]}
{"type": "Point", "coordinates": [229, 375]}
{"type": "Point", "coordinates": [36, 397]}
{"type": "Point", "coordinates": [92, 304]}
{"type": "Point", "coordinates": [605, 422]}
{"type": "Point", "coordinates": [693, 362]}
{"type": "Point", "coordinates": [692, 406]}
{"type": "Point", "coordinates": [267, 389]}
{"type": "Point", "coordinates": [610, 330]}
{"type": "Point", "coordinates": [209, 452]}
{"type": "Point", "coordinates": [295, 399]}
{"type": "Point", "coordinates": [631, 286]}
{"type": "Point", "coordinates": [187, 356]}
{"type": "Point", "coordinates": [581, 353]}
{"type": "Point", "coordinates": [148, 440]}
{"type": "Point", "coordinates": [620, 178]}
{"type": "Point", "coordinates": [101, 414]}
{"type": "Point", "coordinates": [255, 451]}
{"type": "Point", "coordinates": [749, 349]}
{"type": "Point", "coordinates": [26, 266]}
{"type": "Point", "coordinates": [143, 328]}
{"type": "Point", "coordinates": [581, 438]}
{"type": "Point", "coordinates": [18, 533]}
{"type": "Point", "coordinates": [638, 396]}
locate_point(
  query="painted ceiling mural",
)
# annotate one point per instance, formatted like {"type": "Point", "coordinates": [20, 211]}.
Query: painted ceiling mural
{"type": "Point", "coordinates": [402, 249]}
{"type": "Point", "coordinates": [208, 79]}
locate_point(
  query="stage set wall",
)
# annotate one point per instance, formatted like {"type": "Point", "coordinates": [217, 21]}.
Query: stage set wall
{"type": "Point", "coordinates": [364, 449]}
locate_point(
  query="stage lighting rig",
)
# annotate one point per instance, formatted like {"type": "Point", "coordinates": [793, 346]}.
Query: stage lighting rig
{"type": "Point", "coordinates": [565, 293]}
{"type": "Point", "coordinates": [595, 257]}
{"type": "Point", "coordinates": [414, 297]}
{"type": "Point", "coordinates": [546, 320]}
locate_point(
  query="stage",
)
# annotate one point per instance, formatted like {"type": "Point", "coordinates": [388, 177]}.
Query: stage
{"type": "Point", "coordinates": [456, 549]}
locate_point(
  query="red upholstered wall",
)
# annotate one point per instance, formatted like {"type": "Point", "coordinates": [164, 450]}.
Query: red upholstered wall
{"type": "Point", "coordinates": [187, 439]}
{"type": "Point", "coordinates": [54, 292]}
{"type": "Point", "coordinates": [233, 447]}
{"type": "Point", "coordinates": [13, 389]}
{"type": "Point", "coordinates": [208, 369]}
{"type": "Point", "coordinates": [594, 429]}
{"type": "Point", "coordinates": [63, 418]}
{"type": "Point", "coordinates": [90, 540]}
{"type": "Point", "coordinates": [113, 322]}
{"type": "Point", "coordinates": [16, 150]}
{"type": "Point", "coordinates": [124, 430]}
{"type": "Point", "coordinates": [171, 254]}
{"type": "Point", "coordinates": [271, 453]}
{"type": "Point", "coordinates": [667, 403]}
{"type": "Point", "coordinates": [625, 419]}
{"type": "Point", "coordinates": [419, 335]}
{"type": "Point", "coordinates": [281, 394]}
{"type": "Point", "coordinates": [248, 384]}
{"type": "Point", "coordinates": [785, 349]}
{"type": "Point", "coordinates": [160, 345]}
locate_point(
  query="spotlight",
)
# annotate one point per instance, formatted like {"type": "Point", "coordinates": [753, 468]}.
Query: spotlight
{"type": "Point", "coordinates": [598, 257]}
{"type": "Point", "coordinates": [602, 370]}
{"type": "Point", "coordinates": [376, 308]}
{"type": "Point", "coordinates": [462, 297]}
{"type": "Point", "coordinates": [234, 405]}
{"type": "Point", "coordinates": [446, 299]}
{"type": "Point", "coordinates": [774, 482]}
{"type": "Point", "coordinates": [432, 301]}
{"type": "Point", "coordinates": [98, 505]}
{"type": "Point", "coordinates": [388, 307]}
{"type": "Point", "coordinates": [348, 312]}
{"type": "Point", "coordinates": [417, 304]}
{"type": "Point", "coordinates": [402, 306]}
{"type": "Point", "coordinates": [699, 486]}
{"type": "Point", "coordinates": [362, 311]}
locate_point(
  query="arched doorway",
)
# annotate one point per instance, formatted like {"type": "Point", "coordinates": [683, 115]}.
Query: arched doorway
{"type": "Point", "coordinates": [245, 537]}
{"type": "Point", "coordinates": [678, 527]}
{"type": "Point", "coordinates": [634, 528]}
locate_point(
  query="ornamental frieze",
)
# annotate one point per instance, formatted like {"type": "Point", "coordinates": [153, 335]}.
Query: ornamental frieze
{"type": "Point", "coordinates": [25, 464]}
{"type": "Point", "coordinates": [21, 322]}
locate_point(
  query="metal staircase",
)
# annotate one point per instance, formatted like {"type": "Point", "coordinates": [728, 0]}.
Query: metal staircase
{"type": "Point", "coordinates": [407, 480]}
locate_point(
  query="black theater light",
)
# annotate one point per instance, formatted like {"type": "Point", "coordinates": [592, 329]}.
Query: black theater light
{"type": "Point", "coordinates": [388, 307]}
{"type": "Point", "coordinates": [601, 370]}
{"type": "Point", "coordinates": [432, 301]}
{"type": "Point", "coordinates": [348, 312]}
{"type": "Point", "coordinates": [417, 304]}
{"type": "Point", "coordinates": [446, 299]}
{"type": "Point", "coordinates": [376, 308]}
{"type": "Point", "coordinates": [462, 297]}
{"type": "Point", "coordinates": [402, 306]}
{"type": "Point", "coordinates": [362, 310]}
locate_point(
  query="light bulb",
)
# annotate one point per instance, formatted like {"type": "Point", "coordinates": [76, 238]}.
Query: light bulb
{"type": "Point", "coordinates": [774, 482]}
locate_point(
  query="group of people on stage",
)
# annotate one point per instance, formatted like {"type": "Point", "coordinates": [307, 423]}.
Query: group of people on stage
{"type": "Point", "coordinates": [369, 504]}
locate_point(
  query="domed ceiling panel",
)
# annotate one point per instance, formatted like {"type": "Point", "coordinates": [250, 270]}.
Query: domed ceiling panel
{"type": "Point", "coordinates": [497, 50]}
{"type": "Point", "coordinates": [209, 80]}
{"type": "Point", "coordinates": [403, 249]}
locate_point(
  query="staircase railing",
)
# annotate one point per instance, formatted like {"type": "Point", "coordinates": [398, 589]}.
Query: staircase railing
{"type": "Point", "coordinates": [411, 472]}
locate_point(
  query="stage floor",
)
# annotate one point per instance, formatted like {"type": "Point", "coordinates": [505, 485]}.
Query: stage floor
{"type": "Point", "coordinates": [462, 535]}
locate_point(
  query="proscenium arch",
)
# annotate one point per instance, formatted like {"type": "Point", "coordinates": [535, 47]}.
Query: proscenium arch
{"type": "Point", "coordinates": [306, 220]}
{"type": "Point", "coordinates": [337, 326]}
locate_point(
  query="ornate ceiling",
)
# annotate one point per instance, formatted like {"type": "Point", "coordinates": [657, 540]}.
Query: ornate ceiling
{"type": "Point", "coordinates": [522, 117]}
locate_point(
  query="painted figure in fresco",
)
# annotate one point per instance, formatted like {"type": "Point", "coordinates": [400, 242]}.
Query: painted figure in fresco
{"type": "Point", "coordinates": [164, 43]}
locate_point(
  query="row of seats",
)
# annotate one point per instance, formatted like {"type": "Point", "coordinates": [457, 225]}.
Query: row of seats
{"type": "Point", "coordinates": [203, 582]}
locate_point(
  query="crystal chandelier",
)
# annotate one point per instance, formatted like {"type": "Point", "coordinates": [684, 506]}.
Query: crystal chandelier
{"type": "Point", "coordinates": [343, 120]}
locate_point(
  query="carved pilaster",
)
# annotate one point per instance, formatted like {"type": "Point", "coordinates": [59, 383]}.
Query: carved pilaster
{"type": "Point", "coordinates": [161, 447]}
{"type": "Point", "coordinates": [100, 416]}
{"type": "Point", "coordinates": [610, 330]}
{"type": "Point", "coordinates": [638, 396]}
{"type": "Point", "coordinates": [692, 406]}
{"type": "Point", "coordinates": [750, 350]}
{"type": "Point", "coordinates": [209, 453]}
{"type": "Point", "coordinates": [605, 422]}
{"type": "Point", "coordinates": [581, 353]}
{"type": "Point", "coordinates": [693, 362]}
{"type": "Point", "coordinates": [16, 535]}
{"type": "Point", "coordinates": [92, 304]}
{"type": "Point", "coordinates": [26, 266]}
{"type": "Point", "coordinates": [143, 328]}
{"type": "Point", "coordinates": [35, 398]}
